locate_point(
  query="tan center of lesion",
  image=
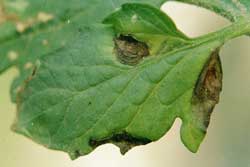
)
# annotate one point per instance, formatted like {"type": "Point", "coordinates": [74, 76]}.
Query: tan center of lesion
{"type": "Point", "coordinates": [207, 91]}
{"type": "Point", "coordinates": [130, 51]}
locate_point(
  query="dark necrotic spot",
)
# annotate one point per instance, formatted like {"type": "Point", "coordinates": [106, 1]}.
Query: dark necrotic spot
{"type": "Point", "coordinates": [130, 51]}
{"type": "Point", "coordinates": [77, 153]}
{"type": "Point", "coordinates": [123, 140]}
{"type": "Point", "coordinates": [207, 91]}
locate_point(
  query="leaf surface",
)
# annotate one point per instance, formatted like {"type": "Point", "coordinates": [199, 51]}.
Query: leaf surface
{"type": "Point", "coordinates": [232, 9]}
{"type": "Point", "coordinates": [81, 96]}
{"type": "Point", "coordinates": [121, 75]}
{"type": "Point", "coordinates": [42, 27]}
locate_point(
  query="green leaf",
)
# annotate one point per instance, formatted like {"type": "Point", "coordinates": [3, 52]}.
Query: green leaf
{"type": "Point", "coordinates": [25, 9]}
{"type": "Point", "coordinates": [149, 25]}
{"type": "Point", "coordinates": [81, 96]}
{"type": "Point", "coordinates": [121, 75]}
{"type": "Point", "coordinates": [44, 27]}
{"type": "Point", "coordinates": [232, 9]}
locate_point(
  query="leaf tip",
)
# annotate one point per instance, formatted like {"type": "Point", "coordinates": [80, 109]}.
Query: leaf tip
{"type": "Point", "coordinates": [191, 137]}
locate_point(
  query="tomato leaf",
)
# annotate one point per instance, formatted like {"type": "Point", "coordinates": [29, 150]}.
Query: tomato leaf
{"type": "Point", "coordinates": [121, 75]}
{"type": "Point", "coordinates": [62, 107]}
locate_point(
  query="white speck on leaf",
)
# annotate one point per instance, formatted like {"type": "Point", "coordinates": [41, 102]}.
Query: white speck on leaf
{"type": "Point", "coordinates": [45, 42]}
{"type": "Point", "coordinates": [134, 18]}
{"type": "Point", "coordinates": [21, 27]}
{"type": "Point", "coordinates": [18, 89]}
{"type": "Point", "coordinates": [28, 65]}
{"type": "Point", "coordinates": [12, 55]}
{"type": "Point", "coordinates": [44, 17]}
{"type": "Point", "coordinates": [116, 9]}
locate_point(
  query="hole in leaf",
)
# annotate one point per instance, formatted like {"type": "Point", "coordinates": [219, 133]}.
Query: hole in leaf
{"type": "Point", "coordinates": [130, 51]}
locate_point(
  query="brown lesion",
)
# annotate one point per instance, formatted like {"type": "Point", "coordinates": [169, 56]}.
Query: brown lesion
{"type": "Point", "coordinates": [23, 25]}
{"type": "Point", "coordinates": [123, 140]}
{"type": "Point", "coordinates": [130, 51]}
{"type": "Point", "coordinates": [22, 88]}
{"type": "Point", "coordinates": [4, 16]}
{"type": "Point", "coordinates": [207, 90]}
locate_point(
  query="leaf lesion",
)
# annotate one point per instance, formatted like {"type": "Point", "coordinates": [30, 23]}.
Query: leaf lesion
{"type": "Point", "coordinates": [207, 91]}
{"type": "Point", "coordinates": [130, 51]}
{"type": "Point", "coordinates": [123, 140]}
